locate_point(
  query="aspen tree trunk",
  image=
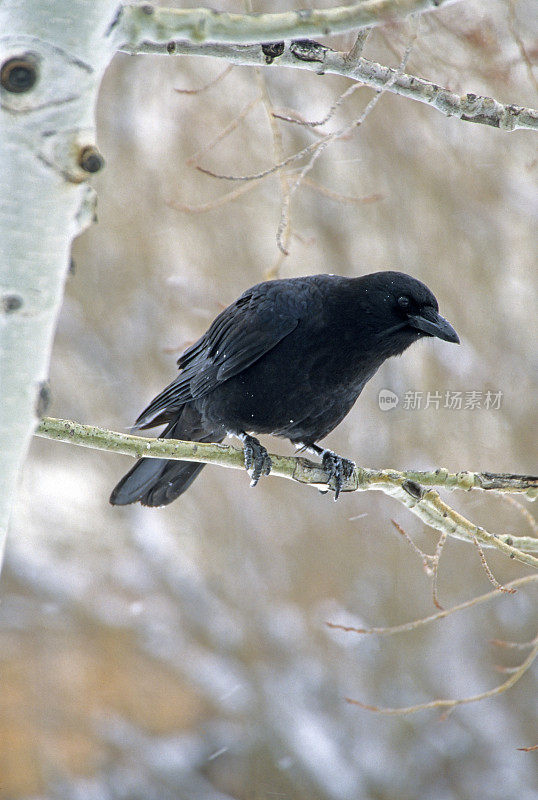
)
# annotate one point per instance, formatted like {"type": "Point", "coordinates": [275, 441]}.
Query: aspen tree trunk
{"type": "Point", "coordinates": [52, 58]}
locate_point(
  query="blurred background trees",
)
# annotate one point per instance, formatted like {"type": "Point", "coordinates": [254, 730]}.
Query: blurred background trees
{"type": "Point", "coordinates": [183, 652]}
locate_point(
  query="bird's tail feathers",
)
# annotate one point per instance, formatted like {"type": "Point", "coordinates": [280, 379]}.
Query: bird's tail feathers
{"type": "Point", "coordinates": [156, 481]}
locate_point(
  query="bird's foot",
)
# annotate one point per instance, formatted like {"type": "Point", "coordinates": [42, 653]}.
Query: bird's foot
{"type": "Point", "coordinates": [338, 469]}
{"type": "Point", "coordinates": [257, 459]}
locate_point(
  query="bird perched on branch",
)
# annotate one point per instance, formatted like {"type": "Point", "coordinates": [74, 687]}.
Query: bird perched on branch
{"type": "Point", "coordinates": [289, 357]}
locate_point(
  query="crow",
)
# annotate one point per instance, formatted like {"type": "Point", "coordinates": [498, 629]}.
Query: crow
{"type": "Point", "coordinates": [289, 357]}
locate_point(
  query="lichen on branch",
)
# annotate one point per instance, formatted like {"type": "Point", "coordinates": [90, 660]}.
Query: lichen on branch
{"type": "Point", "coordinates": [413, 488]}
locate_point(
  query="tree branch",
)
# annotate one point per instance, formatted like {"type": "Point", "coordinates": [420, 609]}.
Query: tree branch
{"type": "Point", "coordinates": [403, 486]}
{"type": "Point", "coordinates": [318, 58]}
{"type": "Point", "coordinates": [146, 22]}
{"type": "Point", "coordinates": [405, 627]}
{"type": "Point", "coordinates": [448, 705]}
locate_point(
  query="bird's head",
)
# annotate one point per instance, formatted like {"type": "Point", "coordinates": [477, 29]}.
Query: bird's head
{"type": "Point", "coordinates": [404, 310]}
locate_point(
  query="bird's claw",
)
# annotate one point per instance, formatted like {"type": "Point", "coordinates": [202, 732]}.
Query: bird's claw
{"type": "Point", "coordinates": [257, 459]}
{"type": "Point", "coordinates": [338, 469]}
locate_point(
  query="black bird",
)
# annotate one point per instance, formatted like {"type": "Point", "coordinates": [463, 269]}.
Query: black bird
{"type": "Point", "coordinates": [289, 357]}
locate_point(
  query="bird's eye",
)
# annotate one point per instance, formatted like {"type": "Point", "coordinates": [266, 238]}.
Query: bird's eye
{"type": "Point", "coordinates": [404, 302]}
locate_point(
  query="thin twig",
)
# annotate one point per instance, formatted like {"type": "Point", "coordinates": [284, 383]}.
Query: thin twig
{"type": "Point", "coordinates": [488, 571]}
{"type": "Point", "coordinates": [212, 204]}
{"type": "Point", "coordinates": [330, 113]}
{"type": "Point", "coordinates": [356, 51]}
{"type": "Point", "coordinates": [524, 512]}
{"type": "Point", "coordinates": [435, 568]}
{"type": "Point", "coordinates": [446, 612]}
{"type": "Point", "coordinates": [278, 151]}
{"type": "Point", "coordinates": [424, 557]}
{"type": "Point", "coordinates": [293, 116]}
{"type": "Point", "coordinates": [512, 645]}
{"type": "Point", "coordinates": [226, 71]}
{"type": "Point", "coordinates": [429, 563]}
{"type": "Point", "coordinates": [316, 153]}
{"type": "Point", "coordinates": [226, 131]}
{"type": "Point", "coordinates": [321, 146]}
{"type": "Point", "coordinates": [448, 705]}
{"type": "Point", "coordinates": [256, 176]}
{"type": "Point", "coordinates": [341, 198]}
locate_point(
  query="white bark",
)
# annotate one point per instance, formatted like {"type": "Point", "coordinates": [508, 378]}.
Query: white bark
{"type": "Point", "coordinates": [144, 21]}
{"type": "Point", "coordinates": [320, 59]}
{"type": "Point", "coordinates": [47, 129]}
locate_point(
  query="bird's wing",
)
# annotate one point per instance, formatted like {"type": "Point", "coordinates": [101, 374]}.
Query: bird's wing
{"type": "Point", "coordinates": [238, 337]}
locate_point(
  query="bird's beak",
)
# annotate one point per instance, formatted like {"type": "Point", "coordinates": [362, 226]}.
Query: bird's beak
{"type": "Point", "coordinates": [431, 322]}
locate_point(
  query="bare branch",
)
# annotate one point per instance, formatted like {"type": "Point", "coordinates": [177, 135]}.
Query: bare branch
{"type": "Point", "coordinates": [142, 23]}
{"type": "Point", "coordinates": [293, 116]}
{"type": "Point", "coordinates": [226, 131]}
{"type": "Point", "coordinates": [341, 198]}
{"type": "Point", "coordinates": [449, 705]}
{"type": "Point", "coordinates": [356, 51]}
{"type": "Point", "coordinates": [426, 504]}
{"type": "Point", "coordinates": [318, 58]}
{"type": "Point", "coordinates": [497, 482]}
{"type": "Point", "coordinates": [284, 214]}
{"type": "Point", "coordinates": [278, 151]}
{"type": "Point", "coordinates": [525, 513]}
{"type": "Point", "coordinates": [426, 559]}
{"type": "Point", "coordinates": [212, 204]}
{"type": "Point", "coordinates": [429, 563]}
{"type": "Point", "coordinates": [226, 71]}
{"type": "Point", "coordinates": [513, 645]}
{"type": "Point", "coordinates": [330, 113]}
{"type": "Point", "coordinates": [322, 145]}
{"type": "Point", "coordinates": [270, 170]}
{"type": "Point", "coordinates": [435, 569]}
{"type": "Point", "coordinates": [488, 571]}
{"type": "Point", "coordinates": [418, 623]}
